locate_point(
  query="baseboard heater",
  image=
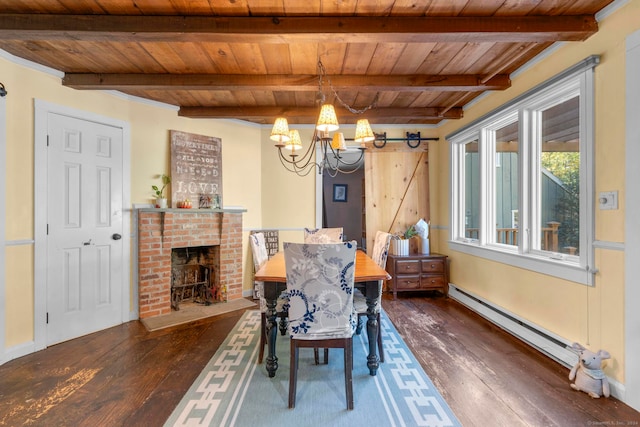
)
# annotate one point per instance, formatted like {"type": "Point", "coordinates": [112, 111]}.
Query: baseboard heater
{"type": "Point", "coordinates": [544, 341]}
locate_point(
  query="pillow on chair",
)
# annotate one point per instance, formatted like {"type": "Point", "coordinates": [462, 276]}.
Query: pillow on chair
{"type": "Point", "coordinates": [379, 255]}
{"type": "Point", "coordinates": [260, 256]}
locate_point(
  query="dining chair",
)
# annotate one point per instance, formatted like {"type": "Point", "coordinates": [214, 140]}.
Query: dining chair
{"type": "Point", "coordinates": [320, 279]}
{"type": "Point", "coordinates": [323, 235]}
{"type": "Point", "coordinates": [379, 254]}
{"type": "Point", "coordinates": [260, 256]}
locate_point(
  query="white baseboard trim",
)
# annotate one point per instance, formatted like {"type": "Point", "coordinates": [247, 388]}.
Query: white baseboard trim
{"type": "Point", "coordinates": [19, 351]}
{"type": "Point", "coordinates": [546, 342]}
{"type": "Point", "coordinates": [246, 293]}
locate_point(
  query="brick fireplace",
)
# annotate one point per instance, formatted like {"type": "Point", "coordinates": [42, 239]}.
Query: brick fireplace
{"type": "Point", "coordinates": [162, 230]}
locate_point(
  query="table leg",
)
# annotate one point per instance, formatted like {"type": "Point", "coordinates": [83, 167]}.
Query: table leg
{"type": "Point", "coordinates": [373, 360]}
{"type": "Point", "coordinates": [271, 362]}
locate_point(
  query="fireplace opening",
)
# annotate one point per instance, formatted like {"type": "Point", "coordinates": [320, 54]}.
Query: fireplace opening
{"type": "Point", "coordinates": [195, 276]}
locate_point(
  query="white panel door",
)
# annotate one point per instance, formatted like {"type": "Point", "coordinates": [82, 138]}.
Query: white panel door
{"type": "Point", "coordinates": [84, 245]}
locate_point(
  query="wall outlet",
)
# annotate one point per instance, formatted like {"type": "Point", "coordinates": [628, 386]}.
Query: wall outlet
{"type": "Point", "coordinates": [608, 200]}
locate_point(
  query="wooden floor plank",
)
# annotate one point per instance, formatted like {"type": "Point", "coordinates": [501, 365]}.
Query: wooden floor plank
{"type": "Point", "coordinates": [127, 376]}
{"type": "Point", "coordinates": [489, 377]}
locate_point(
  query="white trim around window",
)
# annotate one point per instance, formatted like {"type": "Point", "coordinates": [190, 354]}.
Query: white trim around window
{"type": "Point", "coordinates": [525, 115]}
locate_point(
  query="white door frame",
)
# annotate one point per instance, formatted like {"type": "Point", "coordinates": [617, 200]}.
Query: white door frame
{"type": "Point", "coordinates": [3, 217]}
{"type": "Point", "coordinates": [42, 110]}
{"type": "Point", "coordinates": [318, 185]}
{"type": "Point", "coordinates": [632, 226]}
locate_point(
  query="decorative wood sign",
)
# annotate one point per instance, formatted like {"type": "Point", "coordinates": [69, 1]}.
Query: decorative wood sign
{"type": "Point", "coordinates": [196, 168]}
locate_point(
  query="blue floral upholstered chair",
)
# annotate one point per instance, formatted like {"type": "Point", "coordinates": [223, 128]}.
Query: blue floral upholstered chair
{"type": "Point", "coordinates": [379, 255]}
{"type": "Point", "coordinates": [323, 235]}
{"type": "Point", "coordinates": [260, 256]}
{"type": "Point", "coordinates": [320, 279]}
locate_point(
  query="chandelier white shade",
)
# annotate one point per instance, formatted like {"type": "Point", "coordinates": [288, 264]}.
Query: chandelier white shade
{"type": "Point", "coordinates": [327, 121]}
{"type": "Point", "coordinates": [294, 143]}
{"type": "Point", "coordinates": [280, 131]}
{"type": "Point", "coordinates": [364, 132]}
{"type": "Point", "coordinates": [338, 143]}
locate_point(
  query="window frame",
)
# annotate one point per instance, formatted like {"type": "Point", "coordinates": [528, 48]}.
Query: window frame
{"type": "Point", "coordinates": [526, 109]}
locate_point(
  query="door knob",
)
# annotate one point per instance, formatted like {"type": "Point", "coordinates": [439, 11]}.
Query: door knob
{"type": "Point", "coordinates": [116, 236]}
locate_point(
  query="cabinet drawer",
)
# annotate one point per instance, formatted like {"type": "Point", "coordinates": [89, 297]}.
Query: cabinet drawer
{"type": "Point", "coordinates": [433, 266]}
{"type": "Point", "coordinates": [429, 282]}
{"type": "Point", "coordinates": [408, 282]}
{"type": "Point", "coordinates": [408, 266]}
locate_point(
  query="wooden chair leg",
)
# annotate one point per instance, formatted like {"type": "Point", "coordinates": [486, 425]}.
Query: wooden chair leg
{"type": "Point", "coordinates": [380, 349]}
{"type": "Point", "coordinates": [283, 323]}
{"type": "Point", "coordinates": [348, 372]}
{"type": "Point", "coordinates": [316, 356]}
{"type": "Point", "coordinates": [344, 343]}
{"type": "Point", "coordinates": [263, 336]}
{"type": "Point", "coordinates": [293, 374]}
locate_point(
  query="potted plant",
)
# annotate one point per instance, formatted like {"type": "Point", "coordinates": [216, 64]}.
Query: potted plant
{"type": "Point", "coordinates": [161, 200]}
{"type": "Point", "coordinates": [400, 245]}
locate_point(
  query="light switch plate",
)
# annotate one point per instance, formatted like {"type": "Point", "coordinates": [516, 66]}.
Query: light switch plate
{"type": "Point", "coordinates": [608, 200]}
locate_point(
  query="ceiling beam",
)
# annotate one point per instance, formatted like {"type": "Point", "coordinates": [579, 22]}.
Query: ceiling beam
{"type": "Point", "coordinates": [330, 29]}
{"type": "Point", "coordinates": [310, 114]}
{"type": "Point", "coordinates": [282, 82]}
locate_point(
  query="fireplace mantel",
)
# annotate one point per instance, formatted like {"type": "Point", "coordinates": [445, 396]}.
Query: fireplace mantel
{"type": "Point", "coordinates": [194, 211]}
{"type": "Point", "coordinates": [161, 230]}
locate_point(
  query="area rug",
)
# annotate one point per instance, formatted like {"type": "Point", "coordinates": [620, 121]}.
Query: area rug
{"type": "Point", "coordinates": [233, 390]}
{"type": "Point", "coordinates": [190, 311]}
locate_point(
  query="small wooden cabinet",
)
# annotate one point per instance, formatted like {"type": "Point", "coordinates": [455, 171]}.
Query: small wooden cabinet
{"type": "Point", "coordinates": [418, 272]}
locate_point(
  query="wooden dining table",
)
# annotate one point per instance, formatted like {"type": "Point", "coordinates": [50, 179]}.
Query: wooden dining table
{"type": "Point", "coordinates": [367, 274]}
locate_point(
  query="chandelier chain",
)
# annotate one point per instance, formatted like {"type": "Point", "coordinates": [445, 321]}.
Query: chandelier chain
{"type": "Point", "coordinates": [323, 75]}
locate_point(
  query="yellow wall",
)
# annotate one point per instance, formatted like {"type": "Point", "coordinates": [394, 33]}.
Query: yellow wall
{"type": "Point", "coordinates": [254, 179]}
{"type": "Point", "coordinates": [150, 156]}
{"type": "Point", "coordinates": [593, 316]}
{"type": "Point", "coordinates": [288, 201]}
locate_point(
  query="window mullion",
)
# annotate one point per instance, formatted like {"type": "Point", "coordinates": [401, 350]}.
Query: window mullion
{"type": "Point", "coordinates": [535, 175]}
{"type": "Point", "coordinates": [457, 180]}
{"type": "Point", "coordinates": [524, 198]}
{"type": "Point", "coordinates": [487, 194]}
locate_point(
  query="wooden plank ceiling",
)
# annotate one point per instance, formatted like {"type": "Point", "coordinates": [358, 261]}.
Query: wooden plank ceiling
{"type": "Point", "coordinates": [417, 62]}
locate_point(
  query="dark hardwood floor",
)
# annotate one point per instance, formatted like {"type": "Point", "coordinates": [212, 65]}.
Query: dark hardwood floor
{"type": "Point", "coordinates": [126, 376]}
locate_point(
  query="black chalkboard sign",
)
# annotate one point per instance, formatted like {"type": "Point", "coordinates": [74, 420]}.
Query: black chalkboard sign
{"type": "Point", "coordinates": [196, 168]}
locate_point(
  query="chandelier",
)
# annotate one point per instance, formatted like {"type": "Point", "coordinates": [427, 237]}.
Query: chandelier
{"type": "Point", "coordinates": [332, 148]}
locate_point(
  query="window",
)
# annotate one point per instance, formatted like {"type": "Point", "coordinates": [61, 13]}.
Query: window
{"type": "Point", "coordinates": [522, 179]}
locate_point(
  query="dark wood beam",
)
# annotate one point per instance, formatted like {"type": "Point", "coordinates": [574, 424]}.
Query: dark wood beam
{"type": "Point", "coordinates": [281, 82]}
{"type": "Point", "coordinates": [310, 114]}
{"type": "Point", "coordinates": [330, 29]}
